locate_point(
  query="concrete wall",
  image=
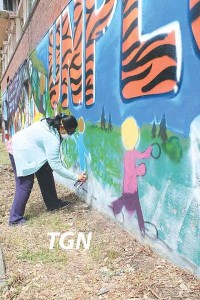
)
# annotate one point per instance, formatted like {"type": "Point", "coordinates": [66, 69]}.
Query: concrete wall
{"type": "Point", "coordinates": [129, 72]}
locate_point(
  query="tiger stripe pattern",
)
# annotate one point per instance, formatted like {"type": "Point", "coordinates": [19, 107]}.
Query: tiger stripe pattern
{"type": "Point", "coordinates": [72, 56]}
{"type": "Point", "coordinates": [149, 67]}
{"type": "Point", "coordinates": [96, 25]}
{"type": "Point", "coordinates": [195, 20]}
{"type": "Point", "coordinates": [54, 62]}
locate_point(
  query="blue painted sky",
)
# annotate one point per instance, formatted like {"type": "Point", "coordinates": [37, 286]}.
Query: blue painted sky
{"type": "Point", "coordinates": [180, 109]}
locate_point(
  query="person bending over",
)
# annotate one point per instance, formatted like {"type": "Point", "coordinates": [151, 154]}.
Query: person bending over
{"type": "Point", "coordinates": [36, 150]}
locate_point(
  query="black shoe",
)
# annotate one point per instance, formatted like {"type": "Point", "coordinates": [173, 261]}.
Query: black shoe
{"type": "Point", "coordinates": [60, 205]}
{"type": "Point", "coordinates": [20, 222]}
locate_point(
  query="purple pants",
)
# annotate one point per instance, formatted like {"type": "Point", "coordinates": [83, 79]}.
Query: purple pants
{"type": "Point", "coordinates": [132, 204]}
{"type": "Point", "coordinates": [23, 189]}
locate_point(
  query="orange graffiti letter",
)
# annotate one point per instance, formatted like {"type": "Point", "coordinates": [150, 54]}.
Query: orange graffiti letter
{"type": "Point", "coordinates": [149, 64]}
{"type": "Point", "coordinates": [97, 21]}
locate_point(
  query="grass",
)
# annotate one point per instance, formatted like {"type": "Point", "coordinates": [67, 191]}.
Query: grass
{"type": "Point", "coordinates": [106, 153]}
{"type": "Point", "coordinates": [43, 255]}
{"type": "Point", "coordinates": [4, 159]}
{"type": "Point", "coordinates": [112, 254]}
{"type": "Point", "coordinates": [35, 272]}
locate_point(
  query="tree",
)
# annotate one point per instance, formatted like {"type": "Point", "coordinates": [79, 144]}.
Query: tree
{"type": "Point", "coordinates": [162, 132]}
{"type": "Point", "coordinates": [153, 131]}
{"type": "Point", "coordinates": [110, 127]}
{"type": "Point", "coordinates": [103, 119]}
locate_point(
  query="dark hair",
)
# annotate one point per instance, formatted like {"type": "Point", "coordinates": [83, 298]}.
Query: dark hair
{"type": "Point", "coordinates": [68, 121]}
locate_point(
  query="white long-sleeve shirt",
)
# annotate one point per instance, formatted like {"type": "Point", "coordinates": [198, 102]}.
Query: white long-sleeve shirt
{"type": "Point", "coordinates": [35, 145]}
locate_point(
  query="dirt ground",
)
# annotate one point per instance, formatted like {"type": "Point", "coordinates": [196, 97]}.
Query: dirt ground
{"type": "Point", "coordinates": [115, 267]}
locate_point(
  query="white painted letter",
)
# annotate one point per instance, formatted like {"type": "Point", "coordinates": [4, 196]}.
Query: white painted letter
{"type": "Point", "coordinates": [70, 242]}
{"type": "Point", "coordinates": [52, 240]}
{"type": "Point", "coordinates": [81, 237]}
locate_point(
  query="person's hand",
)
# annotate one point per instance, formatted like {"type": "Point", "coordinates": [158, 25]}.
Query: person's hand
{"type": "Point", "coordinates": [82, 177]}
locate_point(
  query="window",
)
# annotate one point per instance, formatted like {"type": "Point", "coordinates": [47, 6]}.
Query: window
{"type": "Point", "coordinates": [8, 5]}
{"type": "Point", "coordinates": [30, 5]}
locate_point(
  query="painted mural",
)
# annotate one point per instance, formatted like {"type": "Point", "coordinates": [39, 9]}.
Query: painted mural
{"type": "Point", "coordinates": [130, 72]}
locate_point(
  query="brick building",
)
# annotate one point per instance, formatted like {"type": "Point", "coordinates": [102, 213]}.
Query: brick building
{"type": "Point", "coordinates": [23, 24]}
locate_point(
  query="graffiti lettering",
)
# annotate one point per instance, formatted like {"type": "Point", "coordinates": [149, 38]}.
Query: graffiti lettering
{"type": "Point", "coordinates": [97, 21]}
{"type": "Point", "coordinates": [195, 20]}
{"type": "Point", "coordinates": [54, 68]}
{"type": "Point", "coordinates": [72, 56]}
{"type": "Point", "coordinates": [96, 24]}
{"type": "Point", "coordinates": [149, 65]}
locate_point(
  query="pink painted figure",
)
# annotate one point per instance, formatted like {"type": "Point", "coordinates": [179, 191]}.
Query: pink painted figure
{"type": "Point", "coordinates": [130, 197]}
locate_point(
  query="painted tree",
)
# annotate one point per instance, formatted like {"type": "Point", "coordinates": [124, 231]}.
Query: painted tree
{"type": "Point", "coordinates": [103, 119]}
{"type": "Point", "coordinates": [110, 127]}
{"type": "Point", "coordinates": [163, 128]}
{"type": "Point", "coordinates": [153, 131]}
